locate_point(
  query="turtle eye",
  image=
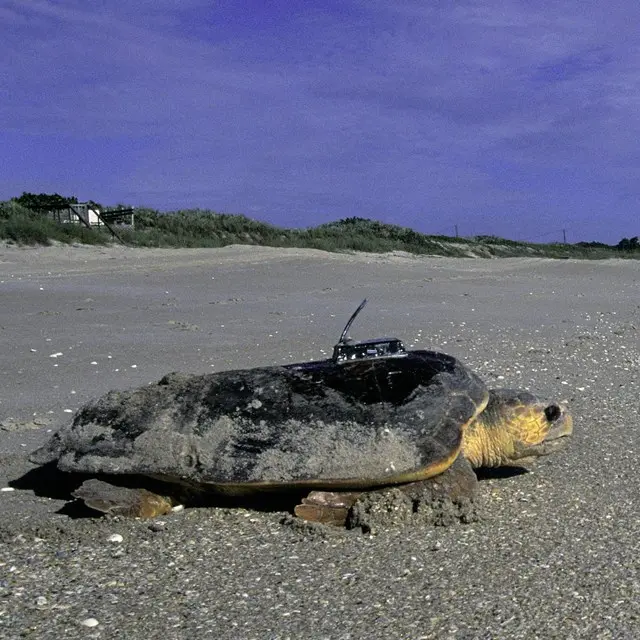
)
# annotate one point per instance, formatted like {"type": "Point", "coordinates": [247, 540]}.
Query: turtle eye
{"type": "Point", "coordinates": [552, 412]}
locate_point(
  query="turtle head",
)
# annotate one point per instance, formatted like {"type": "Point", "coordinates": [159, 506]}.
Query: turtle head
{"type": "Point", "coordinates": [514, 428]}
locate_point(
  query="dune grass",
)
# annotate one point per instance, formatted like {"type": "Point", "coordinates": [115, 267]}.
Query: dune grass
{"type": "Point", "coordinates": [203, 228]}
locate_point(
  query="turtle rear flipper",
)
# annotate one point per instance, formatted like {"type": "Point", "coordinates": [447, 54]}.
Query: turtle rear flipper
{"type": "Point", "coordinates": [122, 501]}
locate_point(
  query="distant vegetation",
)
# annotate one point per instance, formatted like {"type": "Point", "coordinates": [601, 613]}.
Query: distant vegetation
{"type": "Point", "coordinates": [25, 226]}
{"type": "Point", "coordinates": [25, 221]}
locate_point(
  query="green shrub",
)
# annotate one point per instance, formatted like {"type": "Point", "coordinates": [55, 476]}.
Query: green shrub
{"type": "Point", "coordinates": [26, 227]}
{"type": "Point", "coordinates": [25, 230]}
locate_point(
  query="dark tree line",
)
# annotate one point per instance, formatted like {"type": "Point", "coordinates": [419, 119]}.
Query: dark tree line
{"type": "Point", "coordinates": [628, 244]}
{"type": "Point", "coordinates": [43, 202]}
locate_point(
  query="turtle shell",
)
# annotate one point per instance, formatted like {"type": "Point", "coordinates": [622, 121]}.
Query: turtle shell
{"type": "Point", "coordinates": [354, 425]}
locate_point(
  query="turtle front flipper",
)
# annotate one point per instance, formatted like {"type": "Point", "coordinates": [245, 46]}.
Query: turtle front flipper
{"type": "Point", "coordinates": [363, 509]}
{"type": "Point", "coordinates": [327, 507]}
{"type": "Point", "coordinates": [122, 501]}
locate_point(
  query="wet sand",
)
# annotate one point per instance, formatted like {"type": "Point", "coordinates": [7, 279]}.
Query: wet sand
{"type": "Point", "coordinates": [554, 554]}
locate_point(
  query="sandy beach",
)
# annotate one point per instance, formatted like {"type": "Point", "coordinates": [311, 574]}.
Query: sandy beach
{"type": "Point", "coordinates": [554, 554]}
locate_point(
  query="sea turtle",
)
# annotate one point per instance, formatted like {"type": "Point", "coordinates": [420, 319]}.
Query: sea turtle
{"type": "Point", "coordinates": [371, 417]}
{"type": "Point", "coordinates": [333, 430]}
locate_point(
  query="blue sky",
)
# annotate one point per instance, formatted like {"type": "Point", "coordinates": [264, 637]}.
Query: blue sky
{"type": "Point", "coordinates": [514, 118]}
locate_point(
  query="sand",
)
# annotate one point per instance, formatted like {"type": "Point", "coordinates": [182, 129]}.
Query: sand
{"type": "Point", "coordinates": [554, 554]}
